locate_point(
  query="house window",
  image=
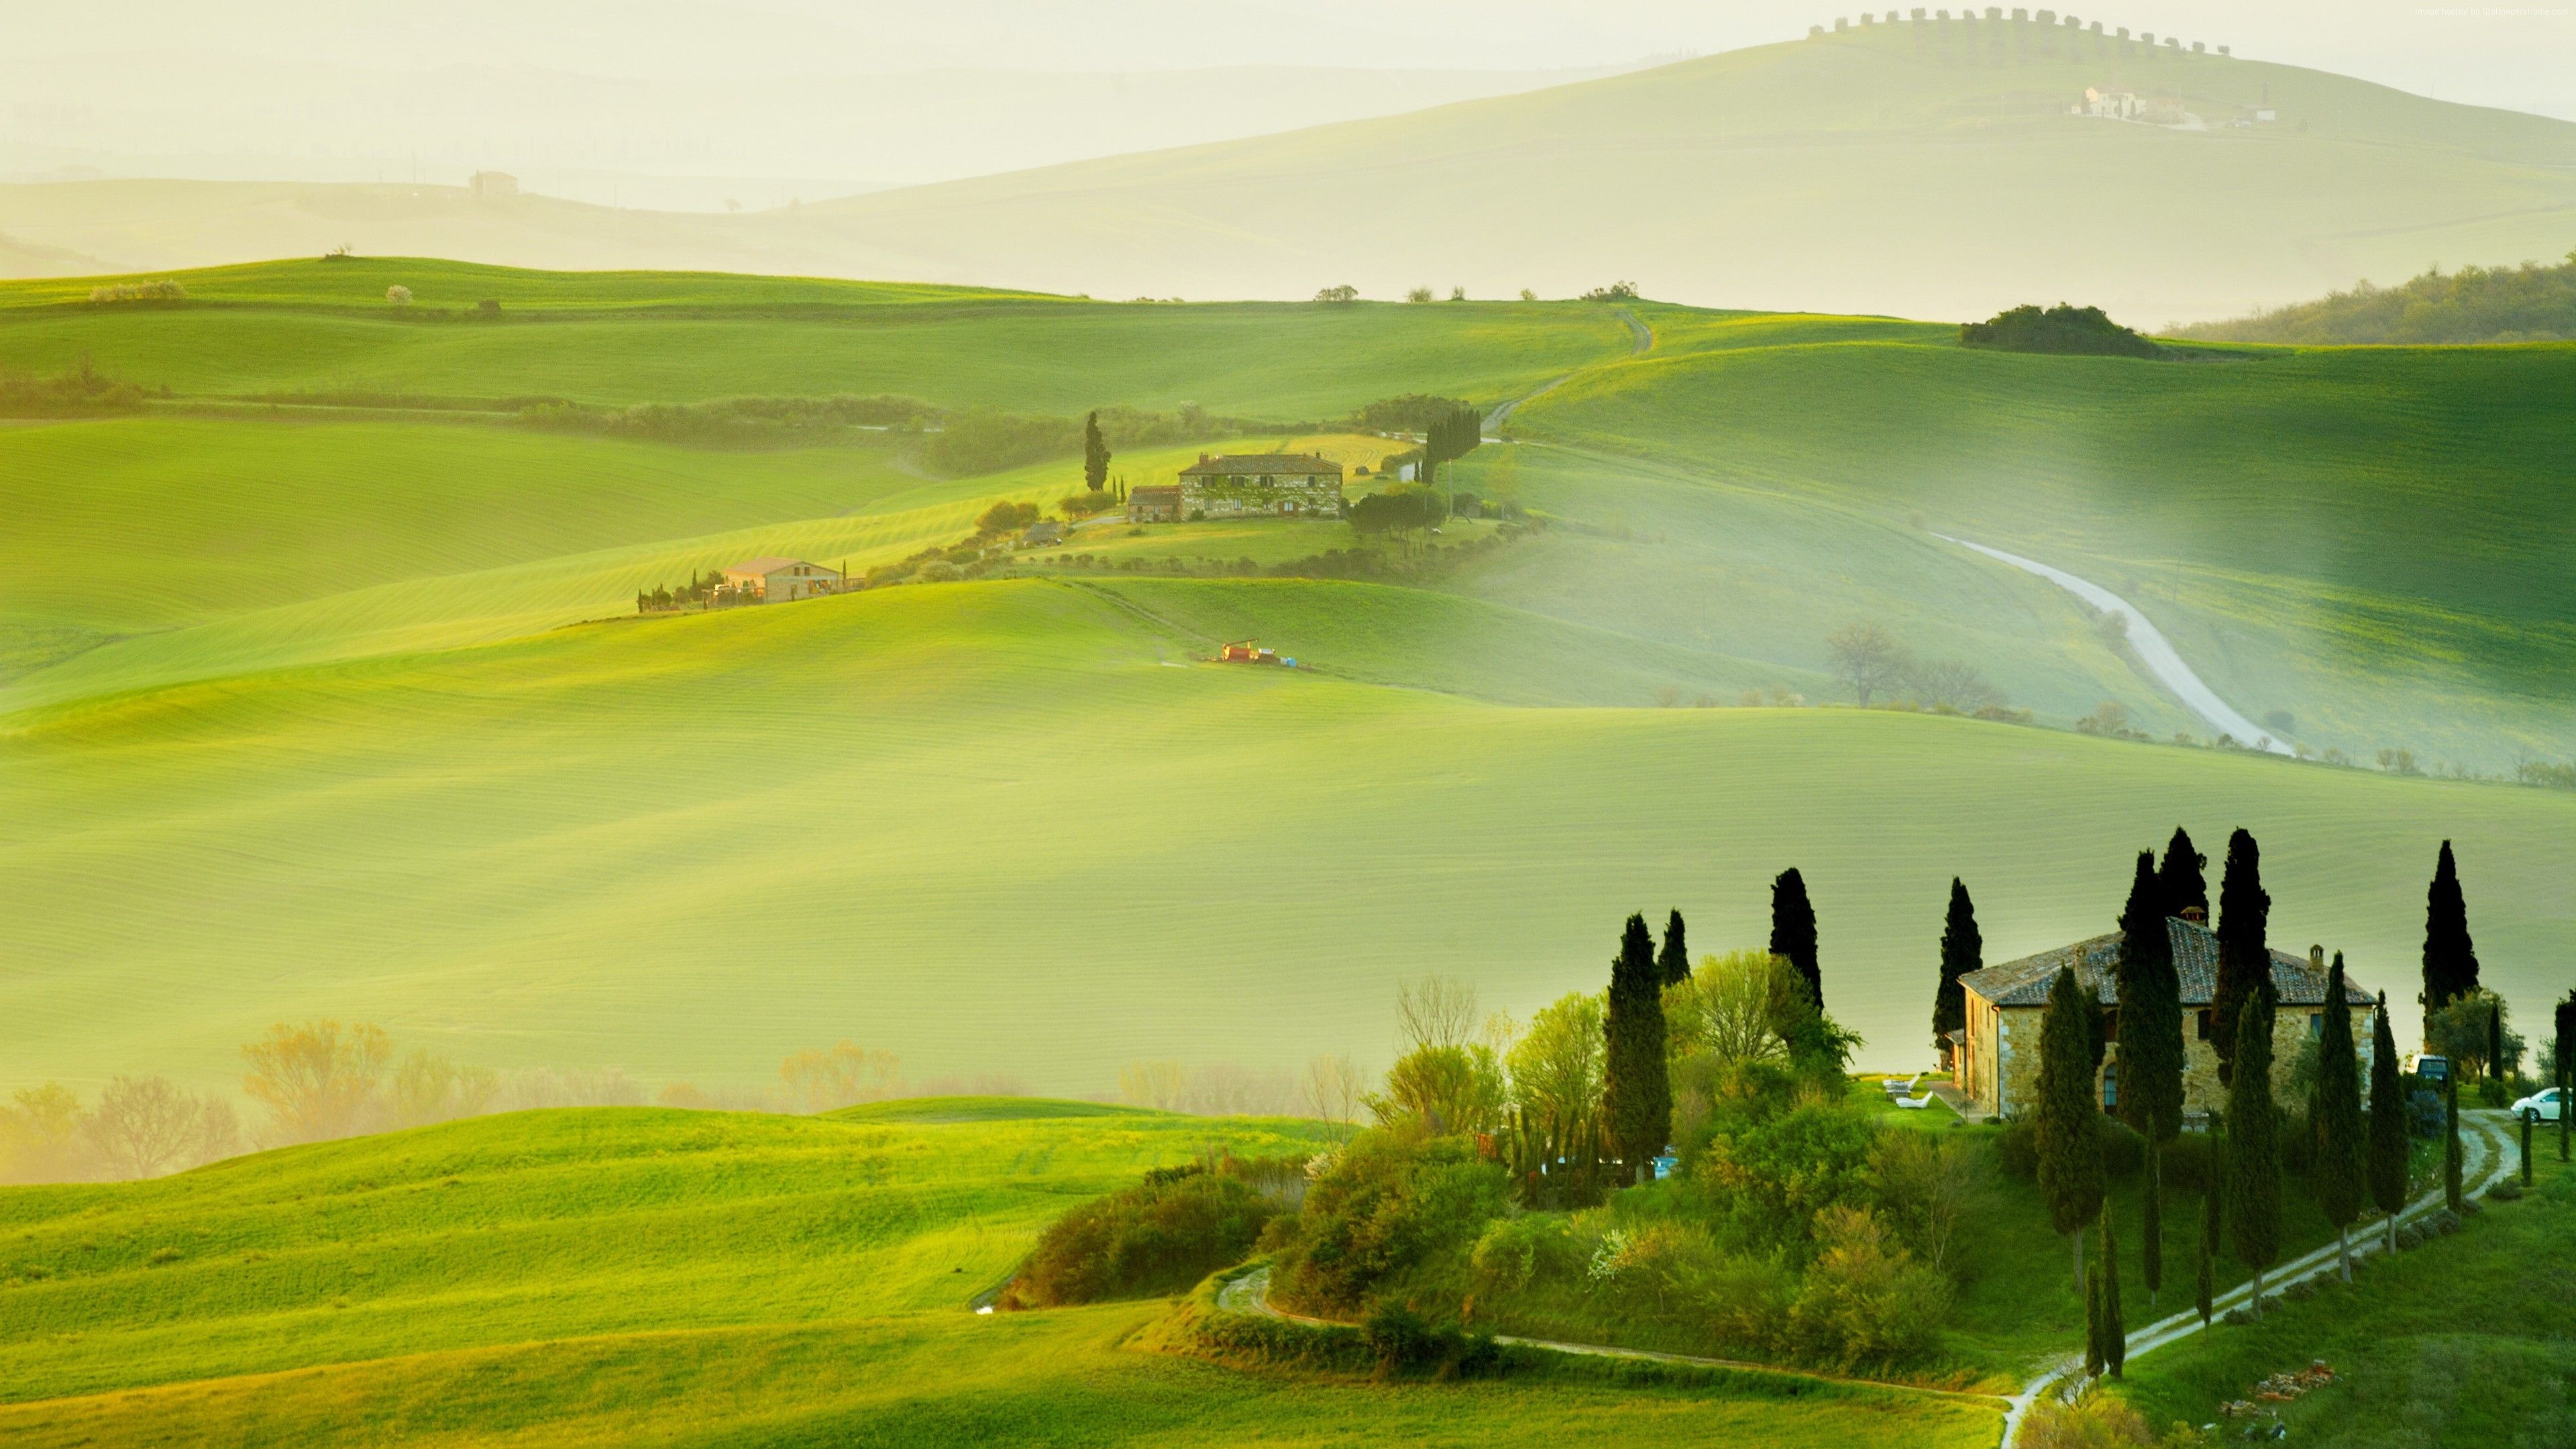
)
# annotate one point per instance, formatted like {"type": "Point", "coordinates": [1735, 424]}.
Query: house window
{"type": "Point", "coordinates": [2206, 1017]}
{"type": "Point", "coordinates": [2110, 1084]}
{"type": "Point", "coordinates": [2316, 1023]}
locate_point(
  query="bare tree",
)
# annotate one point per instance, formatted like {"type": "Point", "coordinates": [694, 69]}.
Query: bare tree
{"type": "Point", "coordinates": [1867, 658]}
{"type": "Point", "coordinates": [841, 1077]}
{"type": "Point", "coordinates": [318, 1078]}
{"type": "Point", "coordinates": [1163, 1085]}
{"type": "Point", "coordinates": [1333, 1088]}
{"type": "Point", "coordinates": [1954, 682]}
{"type": "Point", "coordinates": [217, 1133]}
{"type": "Point", "coordinates": [1436, 1011]}
{"type": "Point", "coordinates": [142, 1126]}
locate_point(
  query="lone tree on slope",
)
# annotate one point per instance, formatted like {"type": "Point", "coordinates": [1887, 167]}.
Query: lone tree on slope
{"type": "Point", "coordinates": [2450, 961]}
{"type": "Point", "coordinates": [2339, 1177]}
{"type": "Point", "coordinates": [1793, 932]}
{"type": "Point", "coordinates": [1866, 657]}
{"type": "Point", "coordinates": [2253, 1148]}
{"type": "Point", "coordinates": [2244, 953]}
{"type": "Point", "coordinates": [1095, 454]}
{"type": "Point", "coordinates": [1673, 965]}
{"type": "Point", "coordinates": [2184, 886]}
{"type": "Point", "coordinates": [1962, 951]}
{"type": "Point", "coordinates": [2386, 1165]}
{"type": "Point", "coordinates": [2149, 995]}
{"type": "Point", "coordinates": [1637, 1093]}
{"type": "Point", "coordinates": [2069, 1132]}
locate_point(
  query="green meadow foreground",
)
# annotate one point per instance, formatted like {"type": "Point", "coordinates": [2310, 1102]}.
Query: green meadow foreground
{"type": "Point", "coordinates": [591, 1277]}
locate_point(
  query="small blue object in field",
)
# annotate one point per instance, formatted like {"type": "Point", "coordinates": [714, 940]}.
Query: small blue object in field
{"type": "Point", "coordinates": [1664, 1166]}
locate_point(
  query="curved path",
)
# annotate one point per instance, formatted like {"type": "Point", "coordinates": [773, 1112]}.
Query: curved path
{"type": "Point", "coordinates": [1642, 341]}
{"type": "Point", "coordinates": [2154, 649]}
{"type": "Point", "coordinates": [1250, 1293]}
{"type": "Point", "coordinates": [2481, 1138]}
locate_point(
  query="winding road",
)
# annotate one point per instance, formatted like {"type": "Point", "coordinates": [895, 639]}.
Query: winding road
{"type": "Point", "coordinates": [2155, 651]}
{"type": "Point", "coordinates": [1642, 341]}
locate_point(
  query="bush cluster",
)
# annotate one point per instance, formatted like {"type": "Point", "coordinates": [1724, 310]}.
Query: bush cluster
{"type": "Point", "coordinates": [78, 391]}
{"type": "Point", "coordinates": [734, 422]}
{"type": "Point", "coordinates": [1160, 1236]}
{"type": "Point", "coordinates": [2060, 329]}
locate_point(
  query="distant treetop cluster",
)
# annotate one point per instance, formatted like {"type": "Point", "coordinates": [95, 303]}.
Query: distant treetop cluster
{"type": "Point", "coordinates": [2059, 329]}
{"type": "Point", "coordinates": [1995, 15]}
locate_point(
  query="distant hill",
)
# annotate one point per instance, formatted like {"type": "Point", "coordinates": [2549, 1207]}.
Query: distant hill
{"type": "Point", "coordinates": [2529, 303]}
{"type": "Point", "coordinates": [1929, 170]}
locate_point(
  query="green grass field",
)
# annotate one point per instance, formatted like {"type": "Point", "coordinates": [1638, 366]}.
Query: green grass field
{"type": "Point", "coordinates": [636, 1276]}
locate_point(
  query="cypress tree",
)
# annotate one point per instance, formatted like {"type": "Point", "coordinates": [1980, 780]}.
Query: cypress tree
{"type": "Point", "coordinates": [1636, 1092]}
{"type": "Point", "coordinates": [1095, 454]}
{"type": "Point", "coordinates": [2387, 1160]}
{"type": "Point", "coordinates": [2563, 1065]}
{"type": "Point", "coordinates": [2205, 1281]}
{"type": "Point", "coordinates": [1793, 932]}
{"type": "Point", "coordinates": [2067, 1122]}
{"type": "Point", "coordinates": [2253, 1150]}
{"type": "Point", "coordinates": [1962, 951]}
{"type": "Point", "coordinates": [2093, 1326]}
{"type": "Point", "coordinates": [2181, 878]}
{"type": "Point", "coordinates": [2114, 1324]}
{"type": "Point", "coordinates": [2151, 1049]}
{"type": "Point", "coordinates": [1673, 966]}
{"type": "Point", "coordinates": [2495, 1038]}
{"type": "Point", "coordinates": [2450, 960]}
{"type": "Point", "coordinates": [2338, 1176]}
{"type": "Point", "coordinates": [2451, 1164]}
{"type": "Point", "coordinates": [2244, 953]}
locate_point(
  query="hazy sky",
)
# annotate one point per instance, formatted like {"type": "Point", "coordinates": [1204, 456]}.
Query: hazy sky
{"type": "Point", "coordinates": [727, 88]}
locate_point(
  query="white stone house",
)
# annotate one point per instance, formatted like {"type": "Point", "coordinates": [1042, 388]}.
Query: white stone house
{"type": "Point", "coordinates": [778, 580]}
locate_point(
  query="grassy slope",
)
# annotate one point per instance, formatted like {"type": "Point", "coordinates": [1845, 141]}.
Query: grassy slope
{"type": "Point", "coordinates": [2367, 539]}
{"type": "Point", "coordinates": [665, 337]}
{"type": "Point", "coordinates": [565, 850]}
{"type": "Point", "coordinates": [2465, 1341]}
{"type": "Point", "coordinates": [634, 1276]}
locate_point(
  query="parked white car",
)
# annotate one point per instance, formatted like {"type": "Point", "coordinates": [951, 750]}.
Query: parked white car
{"type": "Point", "coordinates": [2538, 1107]}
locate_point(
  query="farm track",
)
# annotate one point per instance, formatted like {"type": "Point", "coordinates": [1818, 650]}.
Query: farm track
{"type": "Point", "coordinates": [1250, 1293]}
{"type": "Point", "coordinates": [2066, 1375]}
{"type": "Point", "coordinates": [1642, 342]}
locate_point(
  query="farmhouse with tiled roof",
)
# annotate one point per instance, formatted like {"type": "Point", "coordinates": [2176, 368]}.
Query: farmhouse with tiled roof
{"type": "Point", "coordinates": [1237, 484]}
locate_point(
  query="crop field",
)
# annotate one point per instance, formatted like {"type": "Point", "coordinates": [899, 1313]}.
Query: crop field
{"type": "Point", "coordinates": [644, 1276]}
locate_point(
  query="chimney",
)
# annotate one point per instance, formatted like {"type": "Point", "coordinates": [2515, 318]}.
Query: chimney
{"type": "Point", "coordinates": [2197, 915]}
{"type": "Point", "coordinates": [1203, 460]}
{"type": "Point", "coordinates": [2317, 959]}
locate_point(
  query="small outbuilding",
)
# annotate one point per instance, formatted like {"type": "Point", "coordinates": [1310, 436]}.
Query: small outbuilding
{"type": "Point", "coordinates": [779, 580]}
{"type": "Point", "coordinates": [1153, 505]}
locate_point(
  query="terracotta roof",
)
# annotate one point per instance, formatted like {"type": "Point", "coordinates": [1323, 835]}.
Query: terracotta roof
{"type": "Point", "coordinates": [1164, 490]}
{"type": "Point", "coordinates": [2195, 952]}
{"type": "Point", "coordinates": [767, 566]}
{"type": "Point", "coordinates": [1263, 463]}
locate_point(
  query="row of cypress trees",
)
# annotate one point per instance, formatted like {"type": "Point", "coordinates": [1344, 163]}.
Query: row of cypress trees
{"type": "Point", "coordinates": [1636, 1077]}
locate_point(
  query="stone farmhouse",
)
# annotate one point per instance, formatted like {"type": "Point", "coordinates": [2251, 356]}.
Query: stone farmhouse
{"type": "Point", "coordinates": [1995, 1057]}
{"type": "Point", "coordinates": [1154, 505]}
{"type": "Point", "coordinates": [1240, 484]}
{"type": "Point", "coordinates": [2112, 102]}
{"type": "Point", "coordinates": [778, 580]}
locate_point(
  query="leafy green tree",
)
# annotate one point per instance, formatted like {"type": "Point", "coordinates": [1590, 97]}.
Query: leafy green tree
{"type": "Point", "coordinates": [2450, 959]}
{"type": "Point", "coordinates": [1095, 454]}
{"type": "Point", "coordinates": [1962, 951]}
{"type": "Point", "coordinates": [1793, 932]}
{"type": "Point", "coordinates": [2068, 1123]}
{"type": "Point", "coordinates": [2151, 1049]}
{"type": "Point", "coordinates": [2339, 1177]}
{"type": "Point", "coordinates": [1441, 1091]}
{"type": "Point", "coordinates": [1638, 1088]}
{"type": "Point", "coordinates": [1674, 964]}
{"type": "Point", "coordinates": [2385, 1166]}
{"type": "Point", "coordinates": [2475, 1031]}
{"type": "Point", "coordinates": [2114, 1324]}
{"type": "Point", "coordinates": [2253, 1148]}
{"type": "Point", "coordinates": [2180, 876]}
{"type": "Point", "coordinates": [2244, 952]}
{"type": "Point", "coordinates": [1556, 1065]}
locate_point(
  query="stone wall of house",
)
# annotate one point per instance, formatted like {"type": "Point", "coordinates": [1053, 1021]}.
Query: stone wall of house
{"type": "Point", "coordinates": [2015, 1061]}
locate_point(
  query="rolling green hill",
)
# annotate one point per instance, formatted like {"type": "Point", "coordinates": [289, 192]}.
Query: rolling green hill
{"type": "Point", "coordinates": [1927, 169]}
{"type": "Point", "coordinates": [637, 1276]}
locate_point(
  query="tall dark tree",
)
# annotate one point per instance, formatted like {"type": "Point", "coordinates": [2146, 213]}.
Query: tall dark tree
{"type": "Point", "coordinates": [2386, 1164]}
{"type": "Point", "coordinates": [1637, 1095]}
{"type": "Point", "coordinates": [2151, 1051]}
{"type": "Point", "coordinates": [2244, 949]}
{"type": "Point", "coordinates": [2067, 1121]}
{"type": "Point", "coordinates": [2181, 878]}
{"type": "Point", "coordinates": [1963, 950]}
{"type": "Point", "coordinates": [2253, 1149]}
{"type": "Point", "coordinates": [2452, 1165]}
{"type": "Point", "coordinates": [2339, 1177]}
{"type": "Point", "coordinates": [1793, 932]}
{"type": "Point", "coordinates": [1095, 454]}
{"type": "Point", "coordinates": [1673, 967]}
{"type": "Point", "coordinates": [2495, 1039]}
{"type": "Point", "coordinates": [2562, 1066]}
{"type": "Point", "coordinates": [2450, 961]}
{"type": "Point", "coordinates": [2212, 1194]}
{"type": "Point", "coordinates": [2114, 1324]}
